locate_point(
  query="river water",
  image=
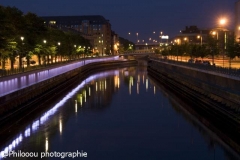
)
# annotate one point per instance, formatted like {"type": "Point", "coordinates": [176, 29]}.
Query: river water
{"type": "Point", "coordinates": [116, 114]}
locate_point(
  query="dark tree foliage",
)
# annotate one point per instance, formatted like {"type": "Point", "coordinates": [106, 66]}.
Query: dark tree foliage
{"type": "Point", "coordinates": [14, 25]}
{"type": "Point", "coordinates": [124, 44]}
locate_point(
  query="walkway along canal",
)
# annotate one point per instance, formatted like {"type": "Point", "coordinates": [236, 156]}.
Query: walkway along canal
{"type": "Point", "coordinates": [25, 93]}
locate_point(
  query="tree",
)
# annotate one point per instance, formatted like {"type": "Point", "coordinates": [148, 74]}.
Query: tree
{"type": "Point", "coordinates": [212, 47]}
{"type": "Point", "coordinates": [202, 51]}
{"type": "Point", "coordinates": [35, 31]}
{"type": "Point", "coordinates": [157, 51]}
{"type": "Point", "coordinates": [15, 23]}
{"type": "Point", "coordinates": [232, 49]}
{"type": "Point", "coordinates": [124, 43]}
{"type": "Point", "coordinates": [3, 29]}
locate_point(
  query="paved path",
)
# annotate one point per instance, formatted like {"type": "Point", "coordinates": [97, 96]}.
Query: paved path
{"type": "Point", "coordinates": [13, 83]}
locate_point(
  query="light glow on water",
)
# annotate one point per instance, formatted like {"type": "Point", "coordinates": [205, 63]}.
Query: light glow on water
{"type": "Point", "coordinates": [47, 115]}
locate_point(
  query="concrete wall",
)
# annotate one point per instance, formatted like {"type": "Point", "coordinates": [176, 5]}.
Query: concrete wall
{"type": "Point", "coordinates": [221, 87]}
{"type": "Point", "coordinates": [40, 92]}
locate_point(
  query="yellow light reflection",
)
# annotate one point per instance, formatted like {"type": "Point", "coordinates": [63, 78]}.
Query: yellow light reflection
{"type": "Point", "coordinates": [46, 145]}
{"type": "Point", "coordinates": [105, 84]}
{"type": "Point", "coordinates": [146, 84]}
{"type": "Point", "coordinates": [130, 89]}
{"type": "Point", "coordinates": [80, 99]}
{"type": "Point", "coordinates": [60, 126]}
{"type": "Point", "coordinates": [96, 87]}
{"type": "Point", "coordinates": [118, 80]}
{"type": "Point", "coordinates": [89, 91]}
{"type": "Point", "coordinates": [137, 87]}
{"type": "Point", "coordinates": [154, 90]}
{"type": "Point", "coordinates": [75, 106]}
{"type": "Point", "coordinates": [85, 95]}
{"type": "Point", "coordinates": [131, 80]}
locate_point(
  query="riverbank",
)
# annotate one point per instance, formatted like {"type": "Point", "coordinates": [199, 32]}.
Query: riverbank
{"type": "Point", "coordinates": [214, 97]}
{"type": "Point", "coordinates": [32, 96]}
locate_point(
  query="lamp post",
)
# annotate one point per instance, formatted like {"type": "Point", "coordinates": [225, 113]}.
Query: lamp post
{"type": "Point", "coordinates": [200, 37]}
{"type": "Point", "coordinates": [161, 36]}
{"type": "Point", "coordinates": [44, 42]}
{"type": "Point", "coordinates": [101, 41]}
{"type": "Point", "coordinates": [137, 37]}
{"type": "Point", "coordinates": [59, 51]}
{"type": "Point", "coordinates": [21, 57]}
{"type": "Point", "coordinates": [222, 22]}
{"type": "Point", "coordinates": [238, 34]}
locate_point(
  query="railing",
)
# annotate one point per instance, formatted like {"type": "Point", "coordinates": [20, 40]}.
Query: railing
{"type": "Point", "coordinates": [7, 72]}
{"type": "Point", "coordinates": [217, 69]}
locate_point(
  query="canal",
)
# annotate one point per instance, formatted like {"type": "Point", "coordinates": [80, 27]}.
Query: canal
{"type": "Point", "coordinates": [115, 114]}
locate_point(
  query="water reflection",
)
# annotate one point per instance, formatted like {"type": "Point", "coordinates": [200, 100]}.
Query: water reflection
{"type": "Point", "coordinates": [122, 110]}
{"type": "Point", "coordinates": [47, 115]}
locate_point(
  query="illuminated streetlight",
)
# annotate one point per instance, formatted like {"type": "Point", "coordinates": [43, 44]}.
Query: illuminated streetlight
{"type": "Point", "coordinates": [161, 37]}
{"type": "Point", "coordinates": [238, 34]}
{"type": "Point", "coordinates": [222, 21]}
{"type": "Point", "coordinates": [200, 37]}
{"type": "Point", "coordinates": [21, 57]}
{"type": "Point", "coordinates": [137, 37]}
{"type": "Point", "coordinates": [44, 41]}
{"type": "Point", "coordinates": [58, 51]}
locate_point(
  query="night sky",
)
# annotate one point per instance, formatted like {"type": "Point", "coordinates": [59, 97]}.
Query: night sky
{"type": "Point", "coordinates": [137, 16]}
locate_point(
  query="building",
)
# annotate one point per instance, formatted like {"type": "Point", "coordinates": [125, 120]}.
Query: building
{"type": "Point", "coordinates": [115, 43]}
{"type": "Point", "coordinates": [95, 28]}
{"type": "Point", "coordinates": [192, 35]}
{"type": "Point", "coordinates": [237, 20]}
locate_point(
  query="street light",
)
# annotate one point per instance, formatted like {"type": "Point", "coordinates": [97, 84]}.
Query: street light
{"type": "Point", "coordinates": [137, 37]}
{"type": "Point", "coordinates": [238, 34]}
{"type": "Point", "coordinates": [101, 41]}
{"type": "Point", "coordinates": [200, 37]}
{"type": "Point", "coordinates": [222, 22]}
{"type": "Point", "coordinates": [161, 36]}
{"type": "Point", "coordinates": [21, 57]}
{"type": "Point", "coordinates": [58, 51]}
{"type": "Point", "coordinates": [44, 41]}
{"type": "Point", "coordinates": [185, 39]}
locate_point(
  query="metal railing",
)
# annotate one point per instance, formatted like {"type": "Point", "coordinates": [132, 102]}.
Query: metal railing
{"type": "Point", "coordinates": [212, 68]}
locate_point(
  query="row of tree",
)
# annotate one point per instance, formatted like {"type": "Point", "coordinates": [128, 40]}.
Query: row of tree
{"type": "Point", "coordinates": [211, 48]}
{"type": "Point", "coordinates": [125, 45]}
{"type": "Point", "coordinates": [25, 35]}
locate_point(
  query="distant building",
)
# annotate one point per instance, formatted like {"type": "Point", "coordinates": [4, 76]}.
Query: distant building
{"type": "Point", "coordinates": [192, 35]}
{"type": "Point", "coordinates": [95, 28]}
{"type": "Point", "coordinates": [237, 20]}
